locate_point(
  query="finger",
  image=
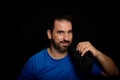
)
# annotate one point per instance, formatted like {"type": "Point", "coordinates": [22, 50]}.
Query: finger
{"type": "Point", "coordinates": [81, 47]}
{"type": "Point", "coordinates": [85, 50]}
{"type": "Point", "coordinates": [80, 44]}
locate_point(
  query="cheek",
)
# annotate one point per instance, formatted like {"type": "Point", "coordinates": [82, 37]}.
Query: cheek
{"type": "Point", "coordinates": [58, 38]}
{"type": "Point", "coordinates": [71, 37]}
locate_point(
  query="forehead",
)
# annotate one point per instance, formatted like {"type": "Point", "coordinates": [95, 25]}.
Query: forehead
{"type": "Point", "coordinates": [62, 25]}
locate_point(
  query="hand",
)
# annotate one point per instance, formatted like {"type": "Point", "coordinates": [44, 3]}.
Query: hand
{"type": "Point", "coordinates": [85, 46]}
{"type": "Point", "coordinates": [110, 68]}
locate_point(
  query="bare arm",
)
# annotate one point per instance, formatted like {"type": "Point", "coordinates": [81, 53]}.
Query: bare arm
{"type": "Point", "coordinates": [110, 69]}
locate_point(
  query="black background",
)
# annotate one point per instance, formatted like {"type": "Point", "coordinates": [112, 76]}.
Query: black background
{"type": "Point", "coordinates": [99, 25]}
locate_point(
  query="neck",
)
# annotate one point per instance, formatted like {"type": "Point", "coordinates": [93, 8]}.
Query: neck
{"type": "Point", "coordinates": [55, 54]}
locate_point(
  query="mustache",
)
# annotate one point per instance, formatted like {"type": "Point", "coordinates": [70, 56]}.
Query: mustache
{"type": "Point", "coordinates": [65, 41]}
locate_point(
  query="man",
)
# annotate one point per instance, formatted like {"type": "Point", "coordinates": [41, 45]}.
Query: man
{"type": "Point", "coordinates": [54, 62]}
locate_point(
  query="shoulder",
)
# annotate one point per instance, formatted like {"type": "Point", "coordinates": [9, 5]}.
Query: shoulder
{"type": "Point", "coordinates": [39, 55]}
{"type": "Point", "coordinates": [36, 60]}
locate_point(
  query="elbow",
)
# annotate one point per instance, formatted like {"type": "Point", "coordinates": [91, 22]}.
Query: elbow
{"type": "Point", "coordinates": [116, 73]}
{"type": "Point", "coordinates": [113, 73]}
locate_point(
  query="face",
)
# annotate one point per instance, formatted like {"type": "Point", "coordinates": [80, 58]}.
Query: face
{"type": "Point", "coordinates": [61, 37]}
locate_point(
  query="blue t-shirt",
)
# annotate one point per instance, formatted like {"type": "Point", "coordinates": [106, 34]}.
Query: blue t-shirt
{"type": "Point", "coordinates": [42, 66]}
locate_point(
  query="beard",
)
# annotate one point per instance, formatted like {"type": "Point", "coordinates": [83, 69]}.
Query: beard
{"type": "Point", "coordinates": [59, 47]}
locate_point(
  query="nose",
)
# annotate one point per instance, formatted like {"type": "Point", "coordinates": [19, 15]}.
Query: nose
{"type": "Point", "coordinates": [66, 37]}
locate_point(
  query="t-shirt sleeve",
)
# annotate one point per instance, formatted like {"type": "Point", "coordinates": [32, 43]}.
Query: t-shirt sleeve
{"type": "Point", "coordinates": [96, 70]}
{"type": "Point", "coordinates": [27, 71]}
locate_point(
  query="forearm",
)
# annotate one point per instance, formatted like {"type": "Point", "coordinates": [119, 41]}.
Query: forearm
{"type": "Point", "coordinates": [107, 63]}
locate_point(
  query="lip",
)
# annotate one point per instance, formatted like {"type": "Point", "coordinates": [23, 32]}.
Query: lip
{"type": "Point", "coordinates": [65, 44]}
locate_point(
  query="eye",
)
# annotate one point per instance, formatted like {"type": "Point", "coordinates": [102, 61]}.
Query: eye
{"type": "Point", "coordinates": [70, 31]}
{"type": "Point", "coordinates": [60, 32]}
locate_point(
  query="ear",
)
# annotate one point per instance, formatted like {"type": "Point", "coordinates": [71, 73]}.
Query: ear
{"type": "Point", "coordinates": [49, 34]}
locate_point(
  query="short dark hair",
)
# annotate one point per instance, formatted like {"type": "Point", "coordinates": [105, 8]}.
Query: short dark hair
{"type": "Point", "coordinates": [59, 16]}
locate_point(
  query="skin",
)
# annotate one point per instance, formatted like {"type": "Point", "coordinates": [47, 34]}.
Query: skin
{"type": "Point", "coordinates": [62, 32]}
{"type": "Point", "coordinates": [110, 69]}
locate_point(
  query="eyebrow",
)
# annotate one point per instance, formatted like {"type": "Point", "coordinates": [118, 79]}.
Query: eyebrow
{"type": "Point", "coordinates": [64, 31]}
